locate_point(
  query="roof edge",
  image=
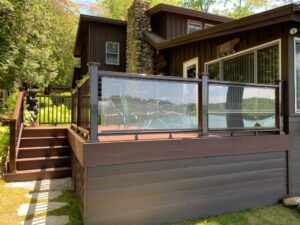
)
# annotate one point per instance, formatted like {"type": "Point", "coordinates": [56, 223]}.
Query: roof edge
{"type": "Point", "coordinates": [186, 11]}
{"type": "Point", "coordinates": [282, 13]}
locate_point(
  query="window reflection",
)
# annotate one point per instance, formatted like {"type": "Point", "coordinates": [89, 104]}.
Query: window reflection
{"type": "Point", "coordinates": [130, 104]}
{"type": "Point", "coordinates": [241, 107]}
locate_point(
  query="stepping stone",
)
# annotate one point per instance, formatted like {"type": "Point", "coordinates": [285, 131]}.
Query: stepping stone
{"type": "Point", "coordinates": [30, 209]}
{"type": "Point", "coordinates": [44, 185]}
{"type": "Point", "coordinates": [44, 195]}
{"type": "Point", "coordinates": [47, 220]}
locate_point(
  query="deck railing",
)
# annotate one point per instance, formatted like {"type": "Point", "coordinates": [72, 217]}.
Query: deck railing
{"type": "Point", "coordinates": [54, 109]}
{"type": "Point", "coordinates": [113, 103]}
{"type": "Point", "coordinates": [15, 127]}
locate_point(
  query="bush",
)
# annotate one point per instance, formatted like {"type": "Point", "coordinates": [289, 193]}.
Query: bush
{"type": "Point", "coordinates": [10, 104]}
{"type": "Point", "coordinates": [4, 144]}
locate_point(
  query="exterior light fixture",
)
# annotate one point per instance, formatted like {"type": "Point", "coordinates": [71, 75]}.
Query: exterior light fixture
{"type": "Point", "coordinates": [293, 30]}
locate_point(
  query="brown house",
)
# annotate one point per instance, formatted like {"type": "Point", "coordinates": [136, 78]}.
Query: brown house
{"type": "Point", "coordinates": [255, 51]}
{"type": "Point", "coordinates": [176, 114]}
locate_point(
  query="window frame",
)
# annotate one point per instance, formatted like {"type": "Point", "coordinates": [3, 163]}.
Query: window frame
{"type": "Point", "coordinates": [254, 50]}
{"type": "Point", "coordinates": [296, 40]}
{"type": "Point", "coordinates": [194, 22]}
{"type": "Point", "coordinates": [118, 54]}
{"type": "Point", "coordinates": [190, 62]}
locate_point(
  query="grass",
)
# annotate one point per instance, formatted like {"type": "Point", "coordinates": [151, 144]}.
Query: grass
{"type": "Point", "coordinates": [12, 198]}
{"type": "Point", "coordinates": [272, 215]}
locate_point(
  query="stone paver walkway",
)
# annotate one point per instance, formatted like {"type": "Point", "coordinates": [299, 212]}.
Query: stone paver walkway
{"type": "Point", "coordinates": [40, 193]}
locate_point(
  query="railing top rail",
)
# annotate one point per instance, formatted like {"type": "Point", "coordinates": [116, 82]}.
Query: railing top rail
{"type": "Point", "coordinates": [150, 131]}
{"type": "Point", "coordinates": [220, 82]}
{"type": "Point", "coordinates": [104, 73]}
{"type": "Point", "coordinates": [81, 82]}
{"type": "Point", "coordinates": [18, 108]}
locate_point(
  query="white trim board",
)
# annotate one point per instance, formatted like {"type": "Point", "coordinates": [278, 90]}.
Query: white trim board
{"type": "Point", "coordinates": [186, 64]}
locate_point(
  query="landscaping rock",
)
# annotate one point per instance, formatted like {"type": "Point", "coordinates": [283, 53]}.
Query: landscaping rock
{"type": "Point", "coordinates": [291, 201]}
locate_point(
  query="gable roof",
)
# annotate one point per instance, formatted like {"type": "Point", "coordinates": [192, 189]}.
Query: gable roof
{"type": "Point", "coordinates": [84, 21]}
{"type": "Point", "coordinates": [188, 12]}
{"type": "Point", "coordinates": [285, 13]}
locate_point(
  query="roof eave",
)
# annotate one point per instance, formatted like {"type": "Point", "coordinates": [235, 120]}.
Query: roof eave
{"type": "Point", "coordinates": [258, 20]}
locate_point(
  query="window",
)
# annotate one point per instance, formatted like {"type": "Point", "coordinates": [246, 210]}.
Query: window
{"type": "Point", "coordinates": [207, 25]}
{"type": "Point", "coordinates": [190, 68]}
{"type": "Point", "coordinates": [112, 53]}
{"type": "Point", "coordinates": [194, 26]}
{"type": "Point", "coordinates": [261, 64]}
{"type": "Point", "coordinates": [297, 74]}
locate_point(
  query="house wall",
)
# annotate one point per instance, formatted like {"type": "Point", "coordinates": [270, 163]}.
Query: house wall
{"type": "Point", "coordinates": [99, 33]}
{"type": "Point", "coordinates": [171, 25]}
{"type": "Point", "coordinates": [206, 50]}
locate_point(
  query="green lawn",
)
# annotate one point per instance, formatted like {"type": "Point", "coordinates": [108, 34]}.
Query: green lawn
{"type": "Point", "coordinates": [272, 215]}
{"type": "Point", "coordinates": [12, 198]}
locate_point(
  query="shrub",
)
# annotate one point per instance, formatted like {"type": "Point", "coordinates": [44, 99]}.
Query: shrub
{"type": "Point", "coordinates": [4, 144]}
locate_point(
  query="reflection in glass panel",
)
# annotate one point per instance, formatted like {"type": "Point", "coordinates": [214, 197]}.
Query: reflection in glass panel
{"type": "Point", "coordinates": [241, 107]}
{"type": "Point", "coordinates": [268, 65]}
{"type": "Point", "coordinates": [214, 71]}
{"type": "Point", "coordinates": [240, 69]}
{"type": "Point", "coordinates": [133, 104]}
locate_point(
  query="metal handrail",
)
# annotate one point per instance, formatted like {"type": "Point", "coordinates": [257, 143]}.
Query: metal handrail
{"type": "Point", "coordinates": [221, 82]}
{"type": "Point", "coordinates": [103, 73]}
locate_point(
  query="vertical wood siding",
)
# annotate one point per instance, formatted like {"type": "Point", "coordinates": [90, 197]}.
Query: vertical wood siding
{"type": "Point", "coordinates": [206, 50]}
{"type": "Point", "coordinates": [99, 34]}
{"type": "Point", "coordinates": [171, 25]}
{"type": "Point", "coordinates": [149, 193]}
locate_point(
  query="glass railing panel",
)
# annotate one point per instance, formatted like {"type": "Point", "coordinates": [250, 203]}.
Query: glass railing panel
{"type": "Point", "coordinates": [147, 104]}
{"type": "Point", "coordinates": [237, 107]}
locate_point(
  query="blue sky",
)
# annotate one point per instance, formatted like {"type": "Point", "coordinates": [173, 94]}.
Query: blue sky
{"type": "Point", "coordinates": [84, 5]}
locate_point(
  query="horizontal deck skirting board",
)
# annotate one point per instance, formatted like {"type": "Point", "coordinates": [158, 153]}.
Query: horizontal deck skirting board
{"type": "Point", "coordinates": [112, 153]}
{"type": "Point", "coordinates": [152, 192]}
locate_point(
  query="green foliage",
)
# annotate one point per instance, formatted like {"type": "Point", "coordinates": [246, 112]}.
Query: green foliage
{"type": "Point", "coordinates": [201, 5]}
{"type": "Point", "coordinates": [117, 9]}
{"type": "Point", "coordinates": [10, 104]}
{"type": "Point", "coordinates": [36, 42]}
{"type": "Point", "coordinates": [4, 143]}
{"type": "Point", "coordinates": [241, 8]}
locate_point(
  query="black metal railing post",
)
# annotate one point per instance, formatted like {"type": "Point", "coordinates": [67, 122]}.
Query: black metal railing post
{"type": "Point", "coordinates": [93, 101]}
{"type": "Point", "coordinates": [279, 109]}
{"type": "Point", "coordinates": [204, 104]}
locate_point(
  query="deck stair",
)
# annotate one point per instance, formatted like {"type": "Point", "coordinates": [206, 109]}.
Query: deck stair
{"type": "Point", "coordinates": [44, 153]}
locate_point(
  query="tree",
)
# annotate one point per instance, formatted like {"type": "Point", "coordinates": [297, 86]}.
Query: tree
{"type": "Point", "coordinates": [241, 8]}
{"type": "Point", "coordinates": [117, 9]}
{"type": "Point", "coordinates": [201, 5]}
{"type": "Point", "coordinates": [36, 41]}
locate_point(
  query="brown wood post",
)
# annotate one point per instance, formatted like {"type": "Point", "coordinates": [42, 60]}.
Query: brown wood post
{"type": "Point", "coordinates": [12, 145]}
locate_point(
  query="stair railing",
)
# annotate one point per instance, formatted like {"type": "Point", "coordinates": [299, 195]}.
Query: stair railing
{"type": "Point", "coordinates": [16, 127]}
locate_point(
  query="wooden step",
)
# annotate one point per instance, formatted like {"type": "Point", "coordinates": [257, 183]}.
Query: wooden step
{"type": "Point", "coordinates": [38, 174]}
{"type": "Point", "coordinates": [43, 141]}
{"type": "Point", "coordinates": [43, 162]}
{"type": "Point", "coordinates": [44, 132]}
{"type": "Point", "coordinates": [46, 151]}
